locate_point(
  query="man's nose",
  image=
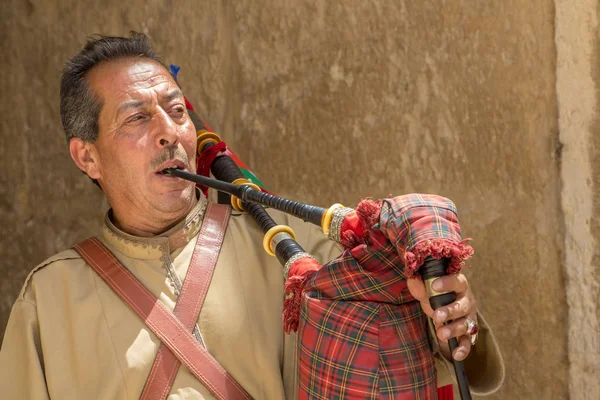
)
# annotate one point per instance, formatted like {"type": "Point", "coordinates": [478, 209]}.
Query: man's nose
{"type": "Point", "coordinates": [167, 133]}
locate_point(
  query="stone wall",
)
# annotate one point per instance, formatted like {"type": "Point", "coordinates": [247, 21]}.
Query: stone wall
{"type": "Point", "coordinates": [334, 101]}
{"type": "Point", "coordinates": [578, 88]}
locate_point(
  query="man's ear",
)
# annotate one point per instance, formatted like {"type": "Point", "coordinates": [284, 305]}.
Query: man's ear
{"type": "Point", "coordinates": [85, 156]}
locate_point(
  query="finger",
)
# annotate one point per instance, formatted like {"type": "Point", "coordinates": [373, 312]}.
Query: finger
{"type": "Point", "coordinates": [465, 305]}
{"type": "Point", "coordinates": [463, 349]}
{"type": "Point", "coordinates": [454, 329]}
{"type": "Point", "coordinates": [451, 283]}
{"type": "Point", "coordinates": [416, 287]}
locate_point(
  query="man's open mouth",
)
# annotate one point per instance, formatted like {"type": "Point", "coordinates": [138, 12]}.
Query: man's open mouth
{"type": "Point", "coordinates": [165, 171]}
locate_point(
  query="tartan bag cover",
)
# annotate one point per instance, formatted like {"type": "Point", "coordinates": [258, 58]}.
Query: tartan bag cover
{"type": "Point", "coordinates": [361, 334]}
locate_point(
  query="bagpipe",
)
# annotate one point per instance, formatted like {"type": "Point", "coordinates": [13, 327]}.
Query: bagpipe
{"type": "Point", "coordinates": [361, 334]}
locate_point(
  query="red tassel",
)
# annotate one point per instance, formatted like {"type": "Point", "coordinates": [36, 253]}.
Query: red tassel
{"type": "Point", "coordinates": [357, 225]}
{"type": "Point", "coordinates": [293, 299]}
{"type": "Point", "coordinates": [300, 273]}
{"type": "Point", "coordinates": [458, 253]}
{"type": "Point", "coordinates": [368, 211]}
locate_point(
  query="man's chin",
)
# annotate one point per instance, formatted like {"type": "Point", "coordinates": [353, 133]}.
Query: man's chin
{"type": "Point", "coordinates": [178, 198]}
{"type": "Point", "coordinates": [178, 195]}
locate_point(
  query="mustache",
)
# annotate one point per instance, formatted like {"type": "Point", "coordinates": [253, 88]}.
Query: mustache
{"type": "Point", "coordinates": [170, 153]}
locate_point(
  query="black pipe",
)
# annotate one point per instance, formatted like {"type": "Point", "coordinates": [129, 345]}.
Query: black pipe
{"type": "Point", "coordinates": [430, 270]}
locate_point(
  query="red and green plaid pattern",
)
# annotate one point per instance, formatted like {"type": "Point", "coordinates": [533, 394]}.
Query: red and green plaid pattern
{"type": "Point", "coordinates": [419, 225]}
{"type": "Point", "coordinates": [361, 334]}
{"type": "Point", "coordinates": [410, 219]}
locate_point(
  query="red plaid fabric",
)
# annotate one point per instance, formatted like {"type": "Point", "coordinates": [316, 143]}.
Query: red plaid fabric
{"type": "Point", "coordinates": [419, 225]}
{"type": "Point", "coordinates": [361, 334]}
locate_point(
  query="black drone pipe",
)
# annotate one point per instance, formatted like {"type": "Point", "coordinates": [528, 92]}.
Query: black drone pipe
{"type": "Point", "coordinates": [306, 212]}
{"type": "Point", "coordinates": [225, 169]}
{"type": "Point", "coordinates": [432, 269]}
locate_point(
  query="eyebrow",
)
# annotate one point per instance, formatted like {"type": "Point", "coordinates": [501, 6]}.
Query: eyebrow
{"type": "Point", "coordinates": [130, 104]}
{"type": "Point", "coordinates": [173, 94]}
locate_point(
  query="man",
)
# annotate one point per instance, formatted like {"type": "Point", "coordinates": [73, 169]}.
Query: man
{"type": "Point", "coordinates": [71, 337]}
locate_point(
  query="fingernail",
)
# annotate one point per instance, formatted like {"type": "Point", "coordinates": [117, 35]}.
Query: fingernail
{"type": "Point", "coordinates": [437, 285]}
{"type": "Point", "coordinates": [441, 315]}
{"type": "Point", "coordinates": [460, 355]}
{"type": "Point", "coordinates": [445, 332]}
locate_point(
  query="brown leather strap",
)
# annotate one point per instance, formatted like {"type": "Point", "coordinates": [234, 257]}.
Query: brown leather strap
{"type": "Point", "coordinates": [190, 301]}
{"type": "Point", "coordinates": [169, 329]}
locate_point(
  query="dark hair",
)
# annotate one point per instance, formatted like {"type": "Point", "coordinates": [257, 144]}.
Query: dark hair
{"type": "Point", "coordinates": [79, 106]}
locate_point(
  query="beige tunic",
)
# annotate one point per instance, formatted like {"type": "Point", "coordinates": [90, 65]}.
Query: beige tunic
{"type": "Point", "coordinates": [70, 337]}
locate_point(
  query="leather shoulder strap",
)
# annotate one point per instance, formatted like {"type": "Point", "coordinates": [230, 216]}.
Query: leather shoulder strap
{"type": "Point", "coordinates": [169, 329]}
{"type": "Point", "coordinates": [190, 301]}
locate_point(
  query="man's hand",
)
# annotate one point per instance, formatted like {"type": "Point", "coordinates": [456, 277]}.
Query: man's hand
{"type": "Point", "coordinates": [457, 312]}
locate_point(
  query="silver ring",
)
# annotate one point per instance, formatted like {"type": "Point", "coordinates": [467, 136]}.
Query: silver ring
{"type": "Point", "coordinates": [472, 330]}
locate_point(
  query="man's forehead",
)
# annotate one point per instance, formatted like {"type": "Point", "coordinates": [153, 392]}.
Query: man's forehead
{"type": "Point", "coordinates": [126, 77]}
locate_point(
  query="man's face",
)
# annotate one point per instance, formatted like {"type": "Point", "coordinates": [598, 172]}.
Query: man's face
{"type": "Point", "coordinates": [143, 128]}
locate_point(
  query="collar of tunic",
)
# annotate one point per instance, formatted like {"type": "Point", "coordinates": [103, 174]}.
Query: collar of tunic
{"type": "Point", "coordinates": [156, 246]}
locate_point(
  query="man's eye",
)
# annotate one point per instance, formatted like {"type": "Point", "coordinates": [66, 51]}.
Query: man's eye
{"type": "Point", "coordinates": [135, 118]}
{"type": "Point", "coordinates": [178, 111]}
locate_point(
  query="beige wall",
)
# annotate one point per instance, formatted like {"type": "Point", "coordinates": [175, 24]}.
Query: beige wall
{"type": "Point", "coordinates": [492, 104]}
{"type": "Point", "coordinates": [578, 78]}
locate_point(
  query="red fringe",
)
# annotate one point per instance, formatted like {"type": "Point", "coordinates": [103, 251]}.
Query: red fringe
{"type": "Point", "coordinates": [293, 299]}
{"type": "Point", "coordinates": [205, 159]}
{"type": "Point", "coordinates": [300, 273]}
{"type": "Point", "coordinates": [458, 253]}
{"type": "Point", "coordinates": [368, 211]}
{"type": "Point", "coordinates": [357, 225]}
